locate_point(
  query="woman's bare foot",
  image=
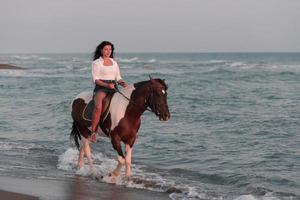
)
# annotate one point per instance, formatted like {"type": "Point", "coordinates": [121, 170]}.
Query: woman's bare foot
{"type": "Point", "coordinates": [93, 137]}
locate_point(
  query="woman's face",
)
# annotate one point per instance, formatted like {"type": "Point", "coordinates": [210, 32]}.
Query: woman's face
{"type": "Point", "coordinates": [106, 51]}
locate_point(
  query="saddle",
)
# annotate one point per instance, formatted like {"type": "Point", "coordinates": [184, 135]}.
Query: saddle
{"type": "Point", "coordinates": [89, 108]}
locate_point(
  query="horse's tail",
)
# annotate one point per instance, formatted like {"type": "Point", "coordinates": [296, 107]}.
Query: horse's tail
{"type": "Point", "coordinates": [75, 134]}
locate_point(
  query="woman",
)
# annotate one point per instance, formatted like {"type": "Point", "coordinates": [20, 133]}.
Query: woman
{"type": "Point", "coordinates": [105, 71]}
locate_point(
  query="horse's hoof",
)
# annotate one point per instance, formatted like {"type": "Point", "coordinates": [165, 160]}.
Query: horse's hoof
{"type": "Point", "coordinates": [109, 178]}
{"type": "Point", "coordinates": [95, 176]}
{"type": "Point", "coordinates": [98, 177]}
{"type": "Point", "coordinates": [80, 168]}
{"type": "Point", "coordinates": [127, 178]}
{"type": "Point", "coordinates": [111, 175]}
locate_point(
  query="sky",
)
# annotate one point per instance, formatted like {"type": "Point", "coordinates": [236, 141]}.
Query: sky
{"type": "Point", "coordinates": [70, 26]}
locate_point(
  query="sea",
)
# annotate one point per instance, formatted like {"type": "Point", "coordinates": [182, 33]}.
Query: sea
{"type": "Point", "coordinates": [234, 131]}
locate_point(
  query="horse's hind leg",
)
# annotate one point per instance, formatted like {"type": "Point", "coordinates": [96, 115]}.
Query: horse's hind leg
{"type": "Point", "coordinates": [88, 154]}
{"type": "Point", "coordinates": [81, 157]}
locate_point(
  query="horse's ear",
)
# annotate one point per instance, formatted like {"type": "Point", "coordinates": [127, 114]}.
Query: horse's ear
{"type": "Point", "coordinates": [151, 79]}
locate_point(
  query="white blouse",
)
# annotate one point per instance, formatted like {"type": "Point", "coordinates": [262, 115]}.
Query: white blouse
{"type": "Point", "coordinates": [99, 71]}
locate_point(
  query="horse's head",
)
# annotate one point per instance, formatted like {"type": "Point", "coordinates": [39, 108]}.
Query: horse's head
{"type": "Point", "coordinates": [157, 99]}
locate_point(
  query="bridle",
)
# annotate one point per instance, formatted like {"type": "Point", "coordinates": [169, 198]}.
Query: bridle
{"type": "Point", "coordinates": [134, 103]}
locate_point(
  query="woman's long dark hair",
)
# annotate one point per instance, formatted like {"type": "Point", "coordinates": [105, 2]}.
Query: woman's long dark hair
{"type": "Point", "coordinates": [98, 51]}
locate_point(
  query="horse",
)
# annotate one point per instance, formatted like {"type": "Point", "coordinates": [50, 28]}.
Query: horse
{"type": "Point", "coordinates": [120, 120]}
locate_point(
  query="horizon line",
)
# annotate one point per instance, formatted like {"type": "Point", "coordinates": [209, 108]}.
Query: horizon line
{"type": "Point", "coordinates": [157, 52]}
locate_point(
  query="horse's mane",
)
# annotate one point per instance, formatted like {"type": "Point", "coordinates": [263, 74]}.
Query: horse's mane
{"type": "Point", "coordinates": [142, 83]}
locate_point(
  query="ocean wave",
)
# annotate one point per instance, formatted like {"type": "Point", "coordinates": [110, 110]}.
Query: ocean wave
{"type": "Point", "coordinates": [30, 57]}
{"type": "Point", "coordinates": [12, 73]}
{"type": "Point", "coordinates": [8, 145]}
{"type": "Point", "coordinates": [195, 63]}
{"type": "Point", "coordinates": [22, 57]}
{"type": "Point", "coordinates": [104, 165]}
{"type": "Point", "coordinates": [238, 64]}
{"type": "Point", "coordinates": [140, 179]}
{"type": "Point", "coordinates": [147, 178]}
{"type": "Point", "coordinates": [151, 60]}
{"type": "Point", "coordinates": [136, 60]}
{"type": "Point", "coordinates": [263, 65]}
{"type": "Point", "coordinates": [267, 196]}
{"type": "Point", "coordinates": [128, 60]}
{"type": "Point", "coordinates": [126, 67]}
{"type": "Point", "coordinates": [85, 69]}
{"type": "Point", "coordinates": [232, 84]}
{"type": "Point", "coordinates": [43, 58]}
{"type": "Point", "coordinates": [45, 72]}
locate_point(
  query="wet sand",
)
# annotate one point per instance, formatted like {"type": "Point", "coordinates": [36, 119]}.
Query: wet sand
{"type": "Point", "coordinates": [70, 188]}
{"type": "Point", "coordinates": [8, 66]}
{"type": "Point", "coordinates": [15, 196]}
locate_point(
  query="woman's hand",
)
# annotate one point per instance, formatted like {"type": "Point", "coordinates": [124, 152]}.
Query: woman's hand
{"type": "Point", "coordinates": [110, 86]}
{"type": "Point", "coordinates": [122, 83]}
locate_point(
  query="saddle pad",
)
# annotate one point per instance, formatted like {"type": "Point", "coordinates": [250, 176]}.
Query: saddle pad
{"type": "Point", "coordinates": [88, 110]}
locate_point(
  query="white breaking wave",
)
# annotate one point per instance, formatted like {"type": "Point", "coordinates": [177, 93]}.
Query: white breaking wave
{"type": "Point", "coordinates": [151, 61]}
{"type": "Point", "coordinates": [135, 60]}
{"type": "Point", "coordinates": [12, 73]}
{"type": "Point", "coordinates": [238, 64]}
{"type": "Point", "coordinates": [128, 60]}
{"type": "Point", "coordinates": [22, 57]}
{"type": "Point", "coordinates": [263, 65]}
{"type": "Point", "coordinates": [29, 57]}
{"type": "Point", "coordinates": [267, 196]}
{"type": "Point", "coordinates": [104, 165]}
{"type": "Point", "coordinates": [5, 146]}
{"type": "Point", "coordinates": [140, 178]}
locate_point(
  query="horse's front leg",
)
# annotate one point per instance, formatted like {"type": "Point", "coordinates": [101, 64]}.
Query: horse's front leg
{"type": "Point", "coordinates": [128, 160]}
{"type": "Point", "coordinates": [115, 140]}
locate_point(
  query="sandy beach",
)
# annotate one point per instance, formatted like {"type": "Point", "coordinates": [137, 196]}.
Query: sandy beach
{"type": "Point", "coordinates": [8, 66]}
{"type": "Point", "coordinates": [13, 196]}
{"type": "Point", "coordinates": [71, 188]}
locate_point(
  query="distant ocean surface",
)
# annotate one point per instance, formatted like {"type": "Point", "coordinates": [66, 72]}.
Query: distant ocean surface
{"type": "Point", "coordinates": [234, 131]}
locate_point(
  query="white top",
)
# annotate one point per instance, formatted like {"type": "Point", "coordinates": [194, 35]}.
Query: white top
{"type": "Point", "coordinates": [99, 71]}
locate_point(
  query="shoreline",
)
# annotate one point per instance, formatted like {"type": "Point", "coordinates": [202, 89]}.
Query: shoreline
{"type": "Point", "coordinates": [76, 187]}
{"type": "Point", "coordinates": [8, 66]}
{"type": "Point", "coordinates": [13, 196]}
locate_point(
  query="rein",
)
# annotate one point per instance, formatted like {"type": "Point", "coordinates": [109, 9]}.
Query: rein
{"type": "Point", "coordinates": [117, 90]}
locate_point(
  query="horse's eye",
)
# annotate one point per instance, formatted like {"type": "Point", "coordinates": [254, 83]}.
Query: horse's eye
{"type": "Point", "coordinates": [163, 91]}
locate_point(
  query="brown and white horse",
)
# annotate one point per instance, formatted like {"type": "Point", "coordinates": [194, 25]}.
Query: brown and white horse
{"type": "Point", "coordinates": [122, 119]}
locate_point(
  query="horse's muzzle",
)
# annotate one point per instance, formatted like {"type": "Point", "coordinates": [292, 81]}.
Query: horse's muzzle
{"type": "Point", "coordinates": [164, 117]}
